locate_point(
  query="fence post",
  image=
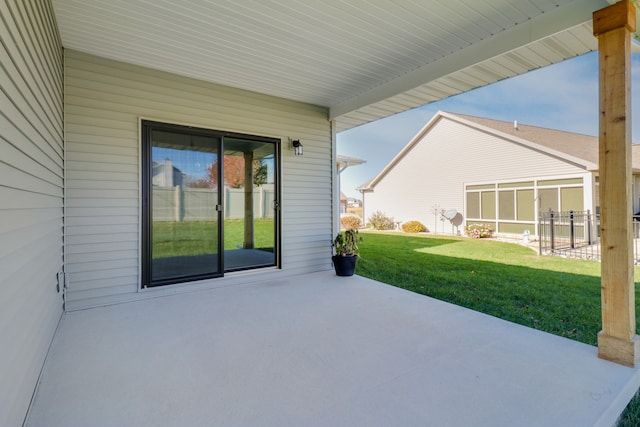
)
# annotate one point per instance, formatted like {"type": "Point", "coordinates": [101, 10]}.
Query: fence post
{"type": "Point", "coordinates": [177, 205]}
{"type": "Point", "coordinates": [540, 231]}
{"type": "Point", "coordinates": [552, 234]}
{"type": "Point", "coordinates": [572, 235]}
{"type": "Point", "coordinates": [589, 226]}
{"type": "Point", "coordinates": [262, 212]}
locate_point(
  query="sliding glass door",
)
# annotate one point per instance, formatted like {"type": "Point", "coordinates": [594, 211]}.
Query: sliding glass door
{"type": "Point", "coordinates": [210, 203]}
{"type": "Point", "coordinates": [182, 205]}
{"type": "Point", "coordinates": [250, 203]}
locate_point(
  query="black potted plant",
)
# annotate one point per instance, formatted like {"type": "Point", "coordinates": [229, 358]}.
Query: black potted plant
{"type": "Point", "coordinates": [346, 252]}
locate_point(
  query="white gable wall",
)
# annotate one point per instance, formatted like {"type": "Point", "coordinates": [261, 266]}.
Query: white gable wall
{"type": "Point", "coordinates": [31, 197]}
{"type": "Point", "coordinates": [104, 102]}
{"type": "Point", "coordinates": [449, 155]}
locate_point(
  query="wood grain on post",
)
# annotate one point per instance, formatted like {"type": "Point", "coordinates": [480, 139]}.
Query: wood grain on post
{"type": "Point", "coordinates": [618, 340]}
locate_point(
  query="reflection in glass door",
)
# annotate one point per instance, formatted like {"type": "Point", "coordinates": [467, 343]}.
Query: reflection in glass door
{"type": "Point", "coordinates": [183, 231]}
{"type": "Point", "coordinates": [250, 203]}
{"type": "Point", "coordinates": [210, 203]}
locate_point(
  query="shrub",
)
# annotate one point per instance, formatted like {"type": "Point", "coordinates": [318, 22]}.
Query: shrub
{"type": "Point", "coordinates": [346, 243]}
{"type": "Point", "coordinates": [379, 221]}
{"type": "Point", "coordinates": [478, 231]}
{"type": "Point", "coordinates": [413, 227]}
{"type": "Point", "coordinates": [350, 222]}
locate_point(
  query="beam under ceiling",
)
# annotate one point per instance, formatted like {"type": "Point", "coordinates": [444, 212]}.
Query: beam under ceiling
{"type": "Point", "coordinates": [572, 15]}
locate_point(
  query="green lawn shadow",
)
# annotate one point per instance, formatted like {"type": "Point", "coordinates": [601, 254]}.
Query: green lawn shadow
{"type": "Point", "coordinates": [562, 303]}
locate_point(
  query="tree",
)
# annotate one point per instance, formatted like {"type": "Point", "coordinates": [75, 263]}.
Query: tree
{"type": "Point", "coordinates": [259, 172]}
{"type": "Point", "coordinates": [234, 172]}
{"type": "Point", "coordinates": [198, 183]}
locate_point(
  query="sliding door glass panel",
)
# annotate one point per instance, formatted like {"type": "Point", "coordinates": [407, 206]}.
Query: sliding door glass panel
{"type": "Point", "coordinates": [526, 205]}
{"type": "Point", "coordinates": [473, 205]}
{"type": "Point", "coordinates": [506, 205]}
{"type": "Point", "coordinates": [249, 204]}
{"type": "Point", "coordinates": [548, 199]}
{"type": "Point", "coordinates": [488, 203]}
{"type": "Point", "coordinates": [571, 199]}
{"type": "Point", "coordinates": [185, 225]}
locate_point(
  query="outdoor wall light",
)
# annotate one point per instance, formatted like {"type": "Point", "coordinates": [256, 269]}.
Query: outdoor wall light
{"type": "Point", "coordinates": [297, 147]}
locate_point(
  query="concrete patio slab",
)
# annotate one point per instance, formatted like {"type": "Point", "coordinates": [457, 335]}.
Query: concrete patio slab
{"type": "Point", "coordinates": [318, 350]}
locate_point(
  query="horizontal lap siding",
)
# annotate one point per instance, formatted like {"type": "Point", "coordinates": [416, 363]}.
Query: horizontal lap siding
{"type": "Point", "coordinates": [31, 197]}
{"type": "Point", "coordinates": [449, 155]}
{"type": "Point", "coordinates": [104, 101]}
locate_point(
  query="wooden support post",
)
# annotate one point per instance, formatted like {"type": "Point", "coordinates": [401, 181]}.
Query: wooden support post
{"type": "Point", "coordinates": [618, 340]}
{"type": "Point", "coordinates": [248, 200]}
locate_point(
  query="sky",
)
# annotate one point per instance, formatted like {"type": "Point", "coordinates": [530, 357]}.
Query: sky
{"type": "Point", "coordinates": [563, 96]}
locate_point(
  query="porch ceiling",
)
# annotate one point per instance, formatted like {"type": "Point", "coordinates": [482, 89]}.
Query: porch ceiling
{"type": "Point", "coordinates": [363, 60]}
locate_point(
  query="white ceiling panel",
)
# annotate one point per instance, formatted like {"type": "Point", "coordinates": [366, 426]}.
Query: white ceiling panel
{"type": "Point", "coordinates": [362, 59]}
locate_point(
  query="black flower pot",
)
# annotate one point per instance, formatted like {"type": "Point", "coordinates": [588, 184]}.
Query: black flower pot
{"type": "Point", "coordinates": [344, 265]}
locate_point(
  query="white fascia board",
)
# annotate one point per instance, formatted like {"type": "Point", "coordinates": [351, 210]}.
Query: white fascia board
{"type": "Point", "coordinates": [545, 25]}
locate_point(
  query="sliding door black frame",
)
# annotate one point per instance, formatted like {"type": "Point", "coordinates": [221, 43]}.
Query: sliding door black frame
{"type": "Point", "coordinates": [146, 181]}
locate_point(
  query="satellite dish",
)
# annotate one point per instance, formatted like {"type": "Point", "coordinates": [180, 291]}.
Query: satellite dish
{"type": "Point", "coordinates": [450, 214]}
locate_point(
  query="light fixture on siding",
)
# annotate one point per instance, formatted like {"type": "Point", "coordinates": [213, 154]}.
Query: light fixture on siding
{"type": "Point", "coordinates": [297, 147]}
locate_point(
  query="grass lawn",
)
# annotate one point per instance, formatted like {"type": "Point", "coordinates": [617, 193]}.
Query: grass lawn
{"type": "Point", "coordinates": [199, 237]}
{"type": "Point", "coordinates": [509, 281]}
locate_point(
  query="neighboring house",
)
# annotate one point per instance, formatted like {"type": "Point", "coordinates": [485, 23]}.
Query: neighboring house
{"type": "Point", "coordinates": [352, 202]}
{"type": "Point", "coordinates": [343, 203]}
{"type": "Point", "coordinates": [89, 88]}
{"type": "Point", "coordinates": [342, 163]}
{"type": "Point", "coordinates": [478, 170]}
{"type": "Point", "coordinates": [164, 174]}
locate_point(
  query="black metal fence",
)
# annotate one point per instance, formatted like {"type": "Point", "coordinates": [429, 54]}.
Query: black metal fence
{"type": "Point", "coordinates": [575, 234]}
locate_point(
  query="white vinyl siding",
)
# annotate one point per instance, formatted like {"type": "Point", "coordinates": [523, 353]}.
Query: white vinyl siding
{"type": "Point", "coordinates": [31, 194]}
{"type": "Point", "coordinates": [104, 103]}
{"type": "Point", "coordinates": [433, 173]}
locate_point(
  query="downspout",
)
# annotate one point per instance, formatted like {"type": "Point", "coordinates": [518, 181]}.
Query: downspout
{"type": "Point", "coordinates": [364, 215]}
{"type": "Point", "coordinates": [63, 278]}
{"type": "Point", "coordinates": [335, 184]}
